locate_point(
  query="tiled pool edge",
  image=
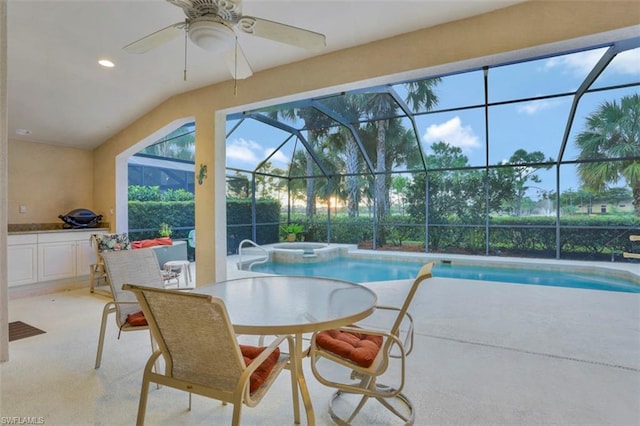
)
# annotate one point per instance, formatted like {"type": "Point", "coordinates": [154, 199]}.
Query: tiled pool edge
{"type": "Point", "coordinates": [305, 252]}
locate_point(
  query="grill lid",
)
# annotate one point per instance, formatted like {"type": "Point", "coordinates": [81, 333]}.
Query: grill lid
{"type": "Point", "coordinates": [81, 218]}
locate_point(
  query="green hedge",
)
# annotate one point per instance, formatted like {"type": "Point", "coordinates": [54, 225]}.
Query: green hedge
{"type": "Point", "coordinates": [148, 215]}
{"type": "Point", "coordinates": [239, 222]}
{"type": "Point", "coordinates": [581, 237]}
{"type": "Point", "coordinates": [153, 193]}
{"type": "Point", "coordinates": [345, 230]}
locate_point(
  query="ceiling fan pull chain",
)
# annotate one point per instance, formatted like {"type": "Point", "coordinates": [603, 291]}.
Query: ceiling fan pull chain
{"type": "Point", "coordinates": [235, 68]}
{"type": "Point", "coordinates": [186, 31]}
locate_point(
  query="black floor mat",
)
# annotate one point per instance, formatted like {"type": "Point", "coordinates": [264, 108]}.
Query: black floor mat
{"type": "Point", "coordinates": [19, 330]}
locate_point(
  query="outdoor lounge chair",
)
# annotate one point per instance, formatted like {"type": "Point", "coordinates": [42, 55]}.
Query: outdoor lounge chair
{"type": "Point", "coordinates": [127, 266]}
{"type": "Point", "coordinates": [201, 354]}
{"type": "Point", "coordinates": [364, 354]}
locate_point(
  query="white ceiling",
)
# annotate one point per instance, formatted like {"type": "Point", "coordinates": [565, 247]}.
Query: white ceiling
{"type": "Point", "coordinates": [58, 92]}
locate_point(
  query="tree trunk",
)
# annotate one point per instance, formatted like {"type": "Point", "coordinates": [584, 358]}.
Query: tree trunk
{"type": "Point", "coordinates": [518, 206]}
{"type": "Point", "coordinates": [352, 153]}
{"type": "Point", "coordinates": [380, 178]}
{"type": "Point", "coordinates": [311, 197]}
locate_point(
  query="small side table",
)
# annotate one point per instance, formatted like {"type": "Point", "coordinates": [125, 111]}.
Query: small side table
{"type": "Point", "coordinates": [181, 268]}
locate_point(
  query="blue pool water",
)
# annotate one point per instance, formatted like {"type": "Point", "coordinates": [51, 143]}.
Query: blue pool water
{"type": "Point", "coordinates": [365, 270]}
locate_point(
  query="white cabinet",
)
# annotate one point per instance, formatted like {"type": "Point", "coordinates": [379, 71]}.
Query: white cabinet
{"type": "Point", "coordinates": [49, 256]}
{"type": "Point", "coordinates": [22, 258]}
{"type": "Point", "coordinates": [56, 260]}
{"type": "Point", "coordinates": [85, 253]}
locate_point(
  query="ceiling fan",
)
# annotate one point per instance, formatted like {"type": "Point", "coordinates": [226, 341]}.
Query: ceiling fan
{"type": "Point", "coordinates": [210, 24]}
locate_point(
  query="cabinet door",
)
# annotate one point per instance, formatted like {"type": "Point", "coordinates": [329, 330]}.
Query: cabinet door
{"type": "Point", "coordinates": [23, 264]}
{"type": "Point", "coordinates": [85, 257]}
{"type": "Point", "coordinates": [56, 261]}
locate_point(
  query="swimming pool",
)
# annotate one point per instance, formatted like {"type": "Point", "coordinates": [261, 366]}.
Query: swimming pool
{"type": "Point", "coordinates": [369, 270]}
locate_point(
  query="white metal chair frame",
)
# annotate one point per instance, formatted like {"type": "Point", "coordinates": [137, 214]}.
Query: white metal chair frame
{"type": "Point", "coordinates": [175, 269]}
{"type": "Point", "coordinates": [210, 350]}
{"type": "Point", "coordinates": [97, 272]}
{"type": "Point", "coordinates": [140, 266]}
{"type": "Point", "coordinates": [366, 384]}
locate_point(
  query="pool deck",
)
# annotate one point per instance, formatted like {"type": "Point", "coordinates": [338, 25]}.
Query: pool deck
{"type": "Point", "coordinates": [498, 353]}
{"type": "Point", "coordinates": [485, 353]}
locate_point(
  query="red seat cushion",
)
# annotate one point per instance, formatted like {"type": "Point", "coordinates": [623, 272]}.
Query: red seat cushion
{"type": "Point", "coordinates": [136, 319]}
{"type": "Point", "coordinates": [163, 241]}
{"type": "Point", "coordinates": [358, 347]}
{"type": "Point", "coordinates": [249, 353]}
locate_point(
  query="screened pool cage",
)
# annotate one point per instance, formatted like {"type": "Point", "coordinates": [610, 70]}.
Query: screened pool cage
{"type": "Point", "coordinates": [537, 158]}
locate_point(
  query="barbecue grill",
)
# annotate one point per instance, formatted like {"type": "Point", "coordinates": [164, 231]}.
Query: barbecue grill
{"type": "Point", "coordinates": [81, 218]}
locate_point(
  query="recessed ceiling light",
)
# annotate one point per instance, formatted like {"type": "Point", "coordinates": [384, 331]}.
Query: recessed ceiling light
{"type": "Point", "coordinates": [23, 132]}
{"type": "Point", "coordinates": [106, 63]}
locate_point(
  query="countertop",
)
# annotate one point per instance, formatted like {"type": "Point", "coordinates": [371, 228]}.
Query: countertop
{"type": "Point", "coordinates": [39, 228]}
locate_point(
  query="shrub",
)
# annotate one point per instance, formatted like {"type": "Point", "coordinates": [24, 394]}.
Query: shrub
{"type": "Point", "coordinates": [148, 216]}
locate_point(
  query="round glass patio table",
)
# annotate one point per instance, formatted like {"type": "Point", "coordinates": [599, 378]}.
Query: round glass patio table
{"type": "Point", "coordinates": [278, 304]}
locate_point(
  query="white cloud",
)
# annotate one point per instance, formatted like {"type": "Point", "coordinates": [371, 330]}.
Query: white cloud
{"type": "Point", "coordinates": [453, 133]}
{"type": "Point", "coordinates": [627, 62]}
{"type": "Point", "coordinates": [244, 151]}
{"type": "Point", "coordinates": [252, 153]}
{"type": "Point", "coordinates": [278, 157]}
{"type": "Point", "coordinates": [582, 62]}
{"type": "Point", "coordinates": [578, 63]}
{"type": "Point", "coordinates": [534, 107]}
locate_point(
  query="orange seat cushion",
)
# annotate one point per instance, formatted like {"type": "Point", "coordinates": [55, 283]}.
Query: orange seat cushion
{"type": "Point", "coordinates": [163, 241]}
{"type": "Point", "coordinates": [136, 319]}
{"type": "Point", "coordinates": [358, 347]}
{"type": "Point", "coordinates": [249, 353]}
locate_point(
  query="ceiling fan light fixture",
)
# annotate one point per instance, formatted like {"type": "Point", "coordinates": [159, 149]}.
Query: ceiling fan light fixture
{"type": "Point", "coordinates": [106, 63]}
{"type": "Point", "coordinates": [211, 35]}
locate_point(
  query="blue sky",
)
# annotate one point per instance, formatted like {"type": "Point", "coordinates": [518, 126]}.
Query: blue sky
{"type": "Point", "coordinates": [533, 126]}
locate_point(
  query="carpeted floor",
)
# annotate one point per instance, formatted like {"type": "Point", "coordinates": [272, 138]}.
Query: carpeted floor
{"type": "Point", "coordinates": [485, 353]}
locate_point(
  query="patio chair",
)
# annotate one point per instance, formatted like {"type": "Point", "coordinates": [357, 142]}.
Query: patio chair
{"type": "Point", "coordinates": [632, 255]}
{"type": "Point", "coordinates": [100, 244]}
{"type": "Point", "coordinates": [127, 266]}
{"type": "Point", "coordinates": [201, 354]}
{"type": "Point", "coordinates": [365, 354]}
{"type": "Point", "coordinates": [191, 238]}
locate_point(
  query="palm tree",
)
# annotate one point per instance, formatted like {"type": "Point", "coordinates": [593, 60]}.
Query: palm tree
{"type": "Point", "coordinates": [315, 122]}
{"type": "Point", "coordinates": [420, 96]}
{"type": "Point", "coordinates": [178, 144]}
{"type": "Point", "coordinates": [612, 132]}
{"type": "Point", "coordinates": [402, 149]}
{"type": "Point", "coordinates": [335, 156]}
{"type": "Point", "coordinates": [343, 141]}
{"type": "Point", "coordinates": [352, 161]}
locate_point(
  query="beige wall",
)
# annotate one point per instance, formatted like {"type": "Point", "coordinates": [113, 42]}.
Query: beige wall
{"type": "Point", "coordinates": [4, 187]}
{"type": "Point", "coordinates": [523, 26]}
{"type": "Point", "coordinates": [48, 180]}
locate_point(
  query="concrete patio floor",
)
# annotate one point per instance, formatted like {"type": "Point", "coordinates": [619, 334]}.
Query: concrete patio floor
{"type": "Point", "coordinates": [485, 353]}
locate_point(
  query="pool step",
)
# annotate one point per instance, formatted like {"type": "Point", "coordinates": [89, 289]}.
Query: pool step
{"type": "Point", "coordinates": [309, 255]}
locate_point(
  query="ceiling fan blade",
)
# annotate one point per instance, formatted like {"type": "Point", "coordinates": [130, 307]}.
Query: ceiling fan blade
{"type": "Point", "coordinates": [282, 32]}
{"type": "Point", "coordinates": [237, 63]}
{"type": "Point", "coordinates": [156, 39]}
